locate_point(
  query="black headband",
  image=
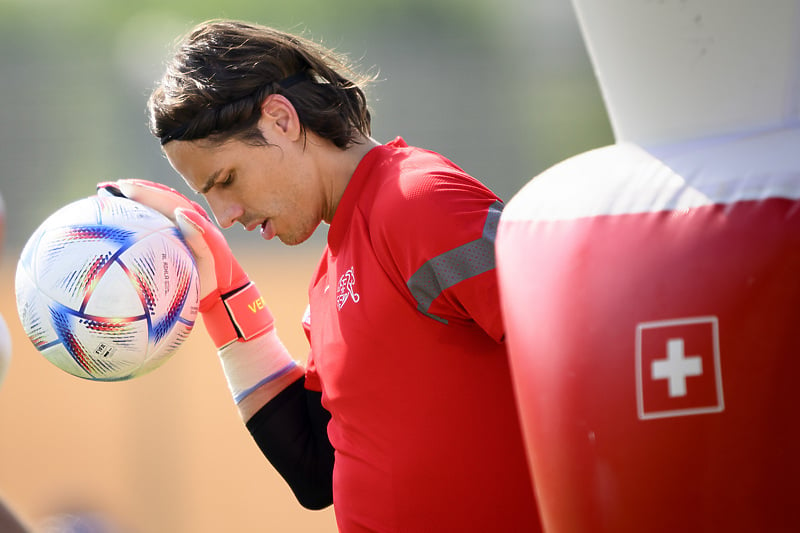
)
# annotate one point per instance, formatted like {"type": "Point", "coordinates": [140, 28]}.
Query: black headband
{"type": "Point", "coordinates": [285, 83]}
{"type": "Point", "coordinates": [294, 79]}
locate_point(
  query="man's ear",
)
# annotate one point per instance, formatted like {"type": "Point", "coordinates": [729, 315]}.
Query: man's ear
{"type": "Point", "coordinates": [279, 117]}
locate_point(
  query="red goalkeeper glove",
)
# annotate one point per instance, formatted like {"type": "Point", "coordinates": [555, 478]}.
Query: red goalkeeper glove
{"type": "Point", "coordinates": [231, 305]}
{"type": "Point", "coordinates": [233, 310]}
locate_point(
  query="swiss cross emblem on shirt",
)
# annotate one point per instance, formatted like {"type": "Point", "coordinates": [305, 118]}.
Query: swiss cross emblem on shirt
{"type": "Point", "coordinates": [345, 289]}
{"type": "Point", "coordinates": [678, 368]}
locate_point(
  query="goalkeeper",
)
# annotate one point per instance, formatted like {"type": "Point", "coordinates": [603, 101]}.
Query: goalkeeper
{"type": "Point", "coordinates": [403, 416]}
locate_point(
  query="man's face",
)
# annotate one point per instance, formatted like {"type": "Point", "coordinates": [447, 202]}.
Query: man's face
{"type": "Point", "coordinates": [272, 188]}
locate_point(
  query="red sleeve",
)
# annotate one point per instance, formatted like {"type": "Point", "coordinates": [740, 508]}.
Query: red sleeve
{"type": "Point", "coordinates": [438, 236]}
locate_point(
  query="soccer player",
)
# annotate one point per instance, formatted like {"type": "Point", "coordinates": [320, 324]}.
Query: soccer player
{"type": "Point", "coordinates": [403, 416]}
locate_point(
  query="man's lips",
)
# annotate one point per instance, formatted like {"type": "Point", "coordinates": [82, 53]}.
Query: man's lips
{"type": "Point", "coordinates": [267, 230]}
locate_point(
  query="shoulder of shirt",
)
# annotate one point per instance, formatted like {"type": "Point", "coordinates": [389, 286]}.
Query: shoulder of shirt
{"type": "Point", "coordinates": [412, 174]}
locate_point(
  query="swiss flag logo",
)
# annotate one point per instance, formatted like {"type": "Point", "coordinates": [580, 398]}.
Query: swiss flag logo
{"type": "Point", "coordinates": [678, 368]}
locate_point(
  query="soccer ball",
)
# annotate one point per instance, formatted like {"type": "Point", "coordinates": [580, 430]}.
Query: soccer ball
{"type": "Point", "coordinates": [107, 289]}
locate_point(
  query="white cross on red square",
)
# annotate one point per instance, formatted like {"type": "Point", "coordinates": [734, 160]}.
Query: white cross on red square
{"type": "Point", "coordinates": [678, 368]}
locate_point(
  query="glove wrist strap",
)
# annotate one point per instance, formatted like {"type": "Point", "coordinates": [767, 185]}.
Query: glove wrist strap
{"type": "Point", "coordinates": [239, 315]}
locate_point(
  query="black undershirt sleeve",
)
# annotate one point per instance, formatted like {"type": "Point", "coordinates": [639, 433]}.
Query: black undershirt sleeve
{"type": "Point", "coordinates": [291, 431]}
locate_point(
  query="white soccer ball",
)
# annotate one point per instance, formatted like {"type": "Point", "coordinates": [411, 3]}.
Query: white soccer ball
{"type": "Point", "coordinates": [107, 289]}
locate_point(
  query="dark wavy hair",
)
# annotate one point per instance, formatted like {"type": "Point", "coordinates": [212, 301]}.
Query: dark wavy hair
{"type": "Point", "coordinates": [223, 70]}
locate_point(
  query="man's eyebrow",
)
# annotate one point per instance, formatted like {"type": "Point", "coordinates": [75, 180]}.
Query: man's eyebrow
{"type": "Point", "coordinates": [210, 182]}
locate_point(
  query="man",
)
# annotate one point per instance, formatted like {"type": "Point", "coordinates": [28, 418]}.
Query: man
{"type": "Point", "coordinates": [403, 417]}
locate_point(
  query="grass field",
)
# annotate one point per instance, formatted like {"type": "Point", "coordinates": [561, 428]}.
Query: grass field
{"type": "Point", "coordinates": [166, 452]}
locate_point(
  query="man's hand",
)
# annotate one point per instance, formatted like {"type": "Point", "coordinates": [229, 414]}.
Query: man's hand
{"type": "Point", "coordinates": [231, 305]}
{"type": "Point", "coordinates": [237, 319]}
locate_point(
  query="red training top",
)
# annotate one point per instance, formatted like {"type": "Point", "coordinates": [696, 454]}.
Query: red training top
{"type": "Point", "coordinates": [407, 348]}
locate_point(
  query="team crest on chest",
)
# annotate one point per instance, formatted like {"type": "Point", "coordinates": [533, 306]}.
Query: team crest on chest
{"type": "Point", "coordinates": [345, 290]}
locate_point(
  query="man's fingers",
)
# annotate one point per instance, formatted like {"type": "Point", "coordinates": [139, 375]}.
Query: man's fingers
{"type": "Point", "coordinates": [194, 234]}
{"type": "Point", "coordinates": [161, 198]}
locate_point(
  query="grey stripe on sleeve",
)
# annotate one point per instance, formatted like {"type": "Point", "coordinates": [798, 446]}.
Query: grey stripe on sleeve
{"type": "Point", "coordinates": [456, 265]}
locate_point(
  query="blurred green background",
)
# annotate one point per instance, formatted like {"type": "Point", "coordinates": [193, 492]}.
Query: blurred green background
{"type": "Point", "coordinates": [504, 88]}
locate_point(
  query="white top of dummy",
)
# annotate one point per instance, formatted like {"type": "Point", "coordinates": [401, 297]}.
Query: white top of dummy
{"type": "Point", "coordinates": [675, 70]}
